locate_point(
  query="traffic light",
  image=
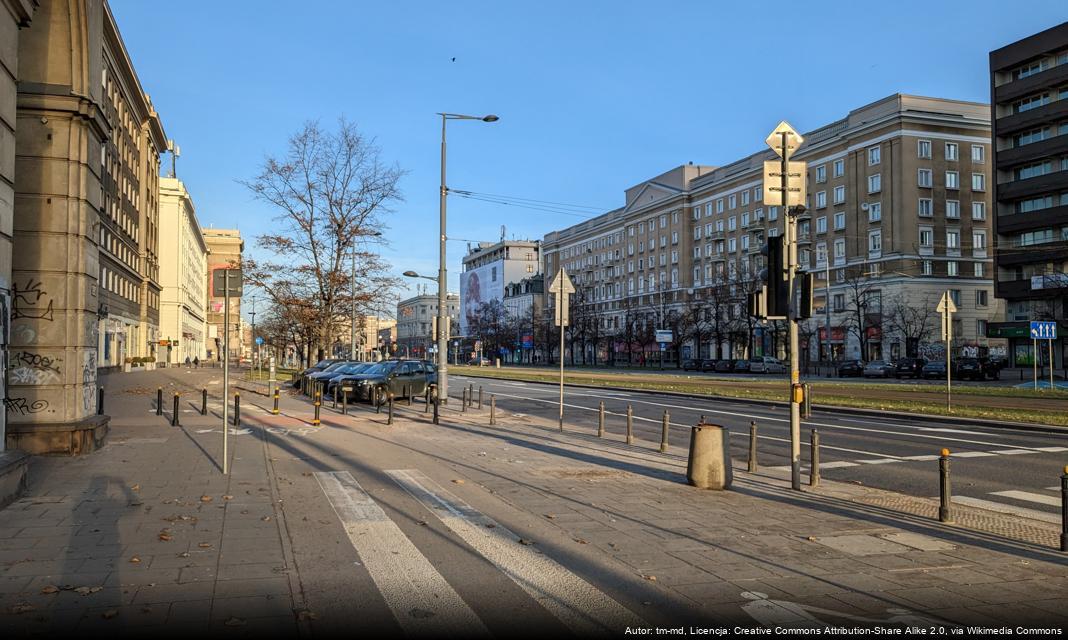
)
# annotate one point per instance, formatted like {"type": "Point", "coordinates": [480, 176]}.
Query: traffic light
{"type": "Point", "coordinates": [804, 310]}
{"type": "Point", "coordinates": [775, 276]}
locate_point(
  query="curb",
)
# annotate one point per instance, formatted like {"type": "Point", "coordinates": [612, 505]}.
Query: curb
{"type": "Point", "coordinates": [976, 422]}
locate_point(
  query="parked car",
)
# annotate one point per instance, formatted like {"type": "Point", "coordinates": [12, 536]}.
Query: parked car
{"type": "Point", "coordinates": [691, 365]}
{"type": "Point", "coordinates": [402, 378]}
{"type": "Point", "coordinates": [480, 362]}
{"type": "Point", "coordinates": [342, 375]}
{"type": "Point", "coordinates": [725, 366]}
{"type": "Point", "coordinates": [708, 365]}
{"type": "Point", "coordinates": [741, 366]}
{"type": "Point", "coordinates": [934, 369]}
{"type": "Point", "coordinates": [851, 369]}
{"type": "Point", "coordinates": [909, 367]}
{"type": "Point", "coordinates": [879, 369]}
{"type": "Point", "coordinates": [766, 364]}
{"type": "Point", "coordinates": [976, 369]}
{"type": "Point", "coordinates": [315, 368]}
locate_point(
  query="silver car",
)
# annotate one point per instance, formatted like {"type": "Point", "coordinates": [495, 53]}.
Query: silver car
{"type": "Point", "coordinates": [879, 369]}
{"type": "Point", "coordinates": [766, 364]}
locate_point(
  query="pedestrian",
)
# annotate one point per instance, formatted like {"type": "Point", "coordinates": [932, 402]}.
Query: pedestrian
{"type": "Point", "coordinates": [196, 362]}
{"type": "Point", "coordinates": [187, 362]}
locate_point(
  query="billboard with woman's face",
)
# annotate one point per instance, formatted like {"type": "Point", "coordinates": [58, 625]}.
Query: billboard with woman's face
{"type": "Point", "coordinates": [477, 287]}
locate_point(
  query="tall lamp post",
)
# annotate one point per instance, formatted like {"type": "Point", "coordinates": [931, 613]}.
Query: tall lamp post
{"type": "Point", "coordinates": [352, 292]}
{"type": "Point", "coordinates": [443, 340]}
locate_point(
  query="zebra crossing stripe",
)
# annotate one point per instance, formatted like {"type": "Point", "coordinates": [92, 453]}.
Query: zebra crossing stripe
{"type": "Point", "coordinates": [421, 600]}
{"type": "Point", "coordinates": [1001, 507]}
{"type": "Point", "coordinates": [1027, 496]}
{"type": "Point", "coordinates": [572, 600]}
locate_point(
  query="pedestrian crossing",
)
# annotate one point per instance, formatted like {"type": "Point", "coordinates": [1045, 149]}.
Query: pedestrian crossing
{"type": "Point", "coordinates": [409, 581]}
{"type": "Point", "coordinates": [888, 459]}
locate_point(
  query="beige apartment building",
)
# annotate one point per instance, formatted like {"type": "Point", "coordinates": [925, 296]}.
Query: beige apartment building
{"type": "Point", "coordinates": [416, 318]}
{"type": "Point", "coordinates": [84, 289]}
{"type": "Point", "coordinates": [183, 262]}
{"type": "Point", "coordinates": [225, 247]}
{"type": "Point", "coordinates": [897, 215]}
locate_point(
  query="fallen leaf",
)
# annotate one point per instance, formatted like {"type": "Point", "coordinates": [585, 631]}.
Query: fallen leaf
{"type": "Point", "coordinates": [234, 622]}
{"type": "Point", "coordinates": [306, 473]}
{"type": "Point", "coordinates": [421, 523]}
{"type": "Point", "coordinates": [491, 526]}
{"type": "Point", "coordinates": [184, 554]}
{"type": "Point", "coordinates": [266, 518]}
{"type": "Point", "coordinates": [550, 516]}
{"type": "Point", "coordinates": [87, 590]}
{"type": "Point", "coordinates": [458, 481]}
{"type": "Point", "coordinates": [109, 614]}
{"type": "Point", "coordinates": [135, 559]}
{"type": "Point", "coordinates": [205, 498]}
{"type": "Point", "coordinates": [204, 545]}
{"type": "Point", "coordinates": [524, 541]}
{"type": "Point", "coordinates": [305, 614]}
{"type": "Point", "coordinates": [50, 589]}
{"type": "Point", "coordinates": [228, 497]}
{"type": "Point", "coordinates": [581, 541]}
{"type": "Point", "coordinates": [136, 487]}
{"type": "Point", "coordinates": [650, 578]}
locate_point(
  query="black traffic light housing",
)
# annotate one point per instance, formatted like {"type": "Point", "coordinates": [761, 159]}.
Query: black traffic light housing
{"type": "Point", "coordinates": [776, 279]}
{"type": "Point", "coordinates": [804, 310]}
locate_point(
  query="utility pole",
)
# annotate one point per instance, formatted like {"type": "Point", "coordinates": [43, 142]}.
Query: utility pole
{"type": "Point", "coordinates": [352, 295]}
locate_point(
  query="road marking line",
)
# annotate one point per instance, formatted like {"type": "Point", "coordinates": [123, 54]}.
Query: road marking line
{"type": "Point", "coordinates": [1007, 508]}
{"type": "Point", "coordinates": [975, 454]}
{"type": "Point", "coordinates": [945, 430]}
{"type": "Point", "coordinates": [1027, 496]}
{"type": "Point", "coordinates": [405, 578]}
{"type": "Point", "coordinates": [1014, 452]}
{"type": "Point", "coordinates": [923, 458]}
{"type": "Point", "coordinates": [879, 461]}
{"type": "Point", "coordinates": [1052, 449]}
{"type": "Point", "coordinates": [1055, 488]}
{"type": "Point", "coordinates": [838, 464]}
{"type": "Point", "coordinates": [572, 600]}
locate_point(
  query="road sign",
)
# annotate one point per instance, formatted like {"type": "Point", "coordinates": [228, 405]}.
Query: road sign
{"type": "Point", "coordinates": [793, 140]}
{"type": "Point", "coordinates": [664, 336]}
{"type": "Point", "coordinates": [795, 183]}
{"type": "Point", "coordinates": [947, 308]}
{"type": "Point", "coordinates": [259, 340]}
{"type": "Point", "coordinates": [1041, 330]}
{"type": "Point", "coordinates": [218, 279]}
{"type": "Point", "coordinates": [946, 305]}
{"type": "Point", "coordinates": [563, 288]}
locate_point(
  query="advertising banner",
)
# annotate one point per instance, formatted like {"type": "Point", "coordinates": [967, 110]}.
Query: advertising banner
{"type": "Point", "coordinates": [478, 286]}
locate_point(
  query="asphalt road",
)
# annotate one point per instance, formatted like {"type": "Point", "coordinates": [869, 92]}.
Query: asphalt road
{"type": "Point", "coordinates": [1002, 469]}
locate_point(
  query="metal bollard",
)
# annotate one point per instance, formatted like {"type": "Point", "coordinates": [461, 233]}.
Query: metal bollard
{"type": "Point", "coordinates": [374, 400]}
{"type": "Point", "coordinates": [237, 409]}
{"type": "Point", "coordinates": [100, 401]}
{"type": "Point", "coordinates": [493, 409]}
{"type": "Point", "coordinates": [1064, 510]}
{"type": "Point", "coordinates": [344, 401]}
{"type": "Point", "coordinates": [470, 394]}
{"type": "Point", "coordinates": [426, 400]}
{"type": "Point", "coordinates": [814, 468]}
{"type": "Point", "coordinates": [480, 398]}
{"type": "Point", "coordinates": [335, 397]}
{"type": "Point", "coordinates": [274, 409]}
{"type": "Point", "coordinates": [204, 401]}
{"type": "Point", "coordinates": [806, 402]}
{"type": "Point", "coordinates": [664, 434]}
{"type": "Point", "coordinates": [752, 446]}
{"type": "Point", "coordinates": [945, 513]}
{"type": "Point", "coordinates": [318, 403]}
{"type": "Point", "coordinates": [630, 424]}
{"type": "Point", "coordinates": [389, 415]}
{"type": "Point", "coordinates": [437, 403]}
{"type": "Point", "coordinates": [600, 420]}
{"type": "Point", "coordinates": [174, 414]}
{"type": "Point", "coordinates": [408, 394]}
{"type": "Point", "coordinates": [159, 401]}
{"type": "Point", "coordinates": [463, 401]}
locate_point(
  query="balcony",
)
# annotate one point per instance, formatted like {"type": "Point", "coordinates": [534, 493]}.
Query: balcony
{"type": "Point", "coordinates": [1033, 254]}
{"type": "Point", "coordinates": [1050, 182]}
{"type": "Point", "coordinates": [1048, 286]}
{"type": "Point", "coordinates": [1051, 217]}
{"type": "Point", "coordinates": [1048, 79]}
{"type": "Point", "coordinates": [1054, 111]}
{"type": "Point", "coordinates": [1055, 146]}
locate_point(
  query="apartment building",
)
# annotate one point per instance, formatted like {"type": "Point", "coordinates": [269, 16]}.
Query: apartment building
{"type": "Point", "coordinates": [183, 262]}
{"type": "Point", "coordinates": [897, 215]}
{"type": "Point", "coordinates": [487, 268]}
{"type": "Point", "coordinates": [225, 247]}
{"type": "Point", "coordinates": [1029, 91]}
{"type": "Point", "coordinates": [523, 302]}
{"type": "Point", "coordinates": [416, 318]}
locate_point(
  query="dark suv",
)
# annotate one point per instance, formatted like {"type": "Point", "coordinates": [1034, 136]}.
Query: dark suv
{"type": "Point", "coordinates": [909, 367]}
{"type": "Point", "coordinates": [402, 378]}
{"type": "Point", "coordinates": [976, 369]}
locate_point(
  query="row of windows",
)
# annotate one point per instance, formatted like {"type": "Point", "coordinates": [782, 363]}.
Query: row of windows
{"type": "Point", "coordinates": [120, 285]}
{"type": "Point", "coordinates": [925, 179]}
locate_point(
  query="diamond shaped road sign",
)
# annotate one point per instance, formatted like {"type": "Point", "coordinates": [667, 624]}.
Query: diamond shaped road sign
{"type": "Point", "coordinates": [793, 140]}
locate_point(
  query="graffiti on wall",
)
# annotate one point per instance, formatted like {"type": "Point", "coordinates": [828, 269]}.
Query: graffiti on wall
{"type": "Point", "coordinates": [28, 367]}
{"type": "Point", "coordinates": [22, 407]}
{"type": "Point", "coordinates": [32, 301]}
{"type": "Point", "coordinates": [89, 381]}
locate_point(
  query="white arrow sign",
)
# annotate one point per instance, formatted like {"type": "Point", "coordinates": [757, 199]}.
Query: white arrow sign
{"type": "Point", "coordinates": [793, 140]}
{"type": "Point", "coordinates": [945, 305]}
{"type": "Point", "coordinates": [562, 287]}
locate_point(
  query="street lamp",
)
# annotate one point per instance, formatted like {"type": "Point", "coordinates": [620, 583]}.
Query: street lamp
{"type": "Point", "coordinates": [412, 274]}
{"type": "Point", "coordinates": [352, 291]}
{"type": "Point", "coordinates": [443, 345]}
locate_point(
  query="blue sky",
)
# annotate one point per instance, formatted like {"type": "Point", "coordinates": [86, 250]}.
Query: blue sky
{"type": "Point", "coordinates": [593, 96]}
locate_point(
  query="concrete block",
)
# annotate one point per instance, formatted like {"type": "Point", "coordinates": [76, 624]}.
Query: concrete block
{"type": "Point", "coordinates": [709, 465]}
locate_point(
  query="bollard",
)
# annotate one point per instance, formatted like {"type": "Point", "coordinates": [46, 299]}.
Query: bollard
{"type": "Point", "coordinates": [814, 468]}
{"type": "Point", "coordinates": [944, 512]}
{"type": "Point", "coordinates": [630, 424]}
{"type": "Point", "coordinates": [174, 415]}
{"type": "Point", "coordinates": [600, 420]}
{"type": "Point", "coordinates": [470, 394]}
{"type": "Point", "coordinates": [493, 409]}
{"type": "Point", "coordinates": [204, 402]}
{"type": "Point", "coordinates": [408, 394]}
{"type": "Point", "coordinates": [318, 403]}
{"type": "Point", "coordinates": [374, 400]}
{"type": "Point", "coordinates": [389, 415]}
{"type": "Point", "coordinates": [806, 402]}
{"type": "Point", "coordinates": [237, 409]}
{"type": "Point", "coordinates": [100, 401]}
{"type": "Point", "coordinates": [274, 409]}
{"type": "Point", "coordinates": [708, 465]}
{"type": "Point", "coordinates": [159, 401]}
{"type": "Point", "coordinates": [664, 434]}
{"type": "Point", "coordinates": [336, 387]}
{"type": "Point", "coordinates": [480, 398]}
{"type": "Point", "coordinates": [426, 400]}
{"type": "Point", "coordinates": [437, 402]}
{"type": "Point", "coordinates": [463, 401]}
{"type": "Point", "coordinates": [752, 446]}
{"type": "Point", "coordinates": [344, 401]}
{"type": "Point", "coordinates": [1064, 510]}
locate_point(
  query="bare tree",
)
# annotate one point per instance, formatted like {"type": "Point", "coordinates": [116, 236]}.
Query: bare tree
{"type": "Point", "coordinates": [329, 190]}
{"type": "Point", "coordinates": [913, 322]}
{"type": "Point", "coordinates": [863, 306]}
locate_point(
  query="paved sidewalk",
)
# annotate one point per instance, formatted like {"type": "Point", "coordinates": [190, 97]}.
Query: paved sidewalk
{"type": "Point", "coordinates": [147, 536]}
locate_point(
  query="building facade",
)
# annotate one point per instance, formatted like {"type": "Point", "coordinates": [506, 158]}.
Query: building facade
{"type": "Point", "coordinates": [416, 318]}
{"type": "Point", "coordinates": [225, 247]}
{"type": "Point", "coordinates": [83, 266]}
{"type": "Point", "coordinates": [1029, 94]}
{"type": "Point", "coordinates": [487, 268]}
{"type": "Point", "coordinates": [524, 304]}
{"type": "Point", "coordinates": [183, 262]}
{"type": "Point", "coordinates": [897, 215]}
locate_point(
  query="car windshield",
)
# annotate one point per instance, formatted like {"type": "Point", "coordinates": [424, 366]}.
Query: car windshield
{"type": "Point", "coordinates": [379, 368]}
{"type": "Point", "coordinates": [876, 363]}
{"type": "Point", "coordinates": [322, 364]}
{"type": "Point", "coordinates": [353, 367]}
{"type": "Point", "coordinates": [335, 366]}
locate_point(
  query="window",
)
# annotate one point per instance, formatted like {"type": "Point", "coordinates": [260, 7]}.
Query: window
{"type": "Point", "coordinates": [951, 268]}
{"type": "Point", "coordinates": [821, 254]}
{"type": "Point", "coordinates": [821, 224]}
{"type": "Point", "coordinates": [697, 231]}
{"type": "Point", "coordinates": [926, 210]}
{"type": "Point", "coordinates": [674, 217]}
{"type": "Point", "coordinates": [732, 245]}
{"type": "Point", "coordinates": [1031, 102]}
{"type": "Point", "coordinates": [926, 238]}
{"type": "Point", "coordinates": [773, 214]}
{"type": "Point", "coordinates": [952, 154]}
{"type": "Point", "coordinates": [821, 173]}
{"type": "Point", "coordinates": [978, 182]}
{"type": "Point", "coordinates": [978, 211]}
{"type": "Point", "coordinates": [978, 154]}
{"type": "Point", "coordinates": [773, 232]}
{"type": "Point", "coordinates": [708, 209]}
{"type": "Point", "coordinates": [952, 180]}
{"type": "Point", "coordinates": [821, 199]}
{"type": "Point", "coordinates": [674, 257]}
{"type": "Point", "coordinates": [839, 302]}
{"type": "Point", "coordinates": [732, 223]}
{"type": "Point", "coordinates": [745, 219]}
{"type": "Point", "coordinates": [953, 208]}
{"type": "Point", "coordinates": [719, 225]}
{"type": "Point", "coordinates": [927, 268]}
{"type": "Point", "coordinates": [663, 259]}
{"type": "Point", "coordinates": [1034, 170]}
{"type": "Point", "coordinates": [978, 269]}
{"type": "Point", "coordinates": [839, 195]}
{"type": "Point", "coordinates": [923, 178]}
{"type": "Point", "coordinates": [1030, 69]}
{"type": "Point", "coordinates": [952, 239]}
{"type": "Point", "coordinates": [663, 241]}
{"type": "Point", "coordinates": [663, 221]}
{"type": "Point", "coordinates": [758, 193]}
{"type": "Point", "coordinates": [874, 155]}
{"type": "Point", "coordinates": [980, 328]}
{"type": "Point", "coordinates": [839, 221]}
{"type": "Point", "coordinates": [732, 201]}
{"type": "Point", "coordinates": [839, 250]}
{"type": "Point", "coordinates": [923, 148]}
{"type": "Point", "coordinates": [981, 297]}
{"type": "Point", "coordinates": [875, 212]}
{"type": "Point", "coordinates": [875, 243]}
{"type": "Point", "coordinates": [745, 243]}
{"type": "Point", "coordinates": [875, 183]}
{"type": "Point", "coordinates": [745, 197]}
{"type": "Point", "coordinates": [719, 205]}
{"type": "Point", "coordinates": [839, 168]}
{"type": "Point", "coordinates": [979, 242]}
{"type": "Point", "coordinates": [696, 213]}
{"type": "Point", "coordinates": [674, 237]}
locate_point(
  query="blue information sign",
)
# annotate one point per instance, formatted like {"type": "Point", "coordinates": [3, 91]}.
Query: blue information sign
{"type": "Point", "coordinates": [1041, 330]}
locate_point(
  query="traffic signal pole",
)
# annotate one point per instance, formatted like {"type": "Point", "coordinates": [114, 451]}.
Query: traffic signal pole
{"type": "Point", "coordinates": [795, 374]}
